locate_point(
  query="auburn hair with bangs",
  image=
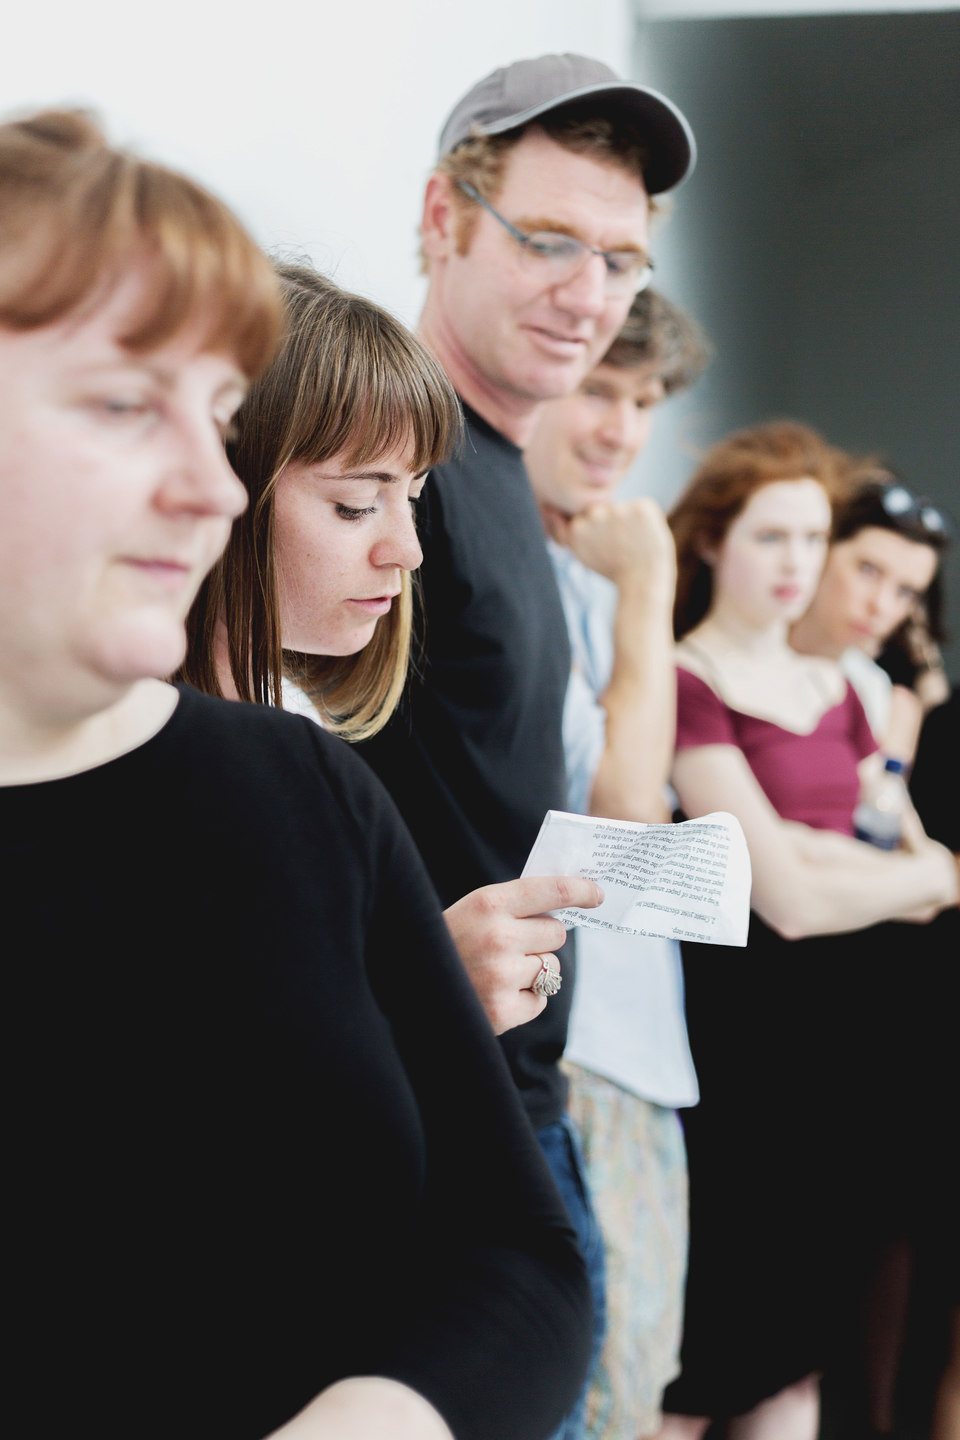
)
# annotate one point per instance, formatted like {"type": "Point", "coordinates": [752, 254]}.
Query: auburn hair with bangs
{"type": "Point", "coordinates": [352, 382]}
{"type": "Point", "coordinates": [729, 474]}
{"type": "Point", "coordinates": [78, 213]}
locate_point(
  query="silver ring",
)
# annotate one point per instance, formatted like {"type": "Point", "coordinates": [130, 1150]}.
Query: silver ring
{"type": "Point", "coordinates": [548, 980]}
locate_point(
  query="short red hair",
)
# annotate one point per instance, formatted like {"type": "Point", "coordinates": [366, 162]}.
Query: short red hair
{"type": "Point", "coordinates": [728, 475]}
{"type": "Point", "coordinates": [77, 213]}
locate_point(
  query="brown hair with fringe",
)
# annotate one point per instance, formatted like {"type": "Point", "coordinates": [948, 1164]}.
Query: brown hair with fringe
{"type": "Point", "coordinates": [728, 476]}
{"type": "Point", "coordinates": [351, 382]}
{"type": "Point", "coordinates": [659, 336]}
{"type": "Point", "coordinates": [78, 213]}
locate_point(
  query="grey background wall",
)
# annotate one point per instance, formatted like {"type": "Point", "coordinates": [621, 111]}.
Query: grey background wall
{"type": "Point", "coordinates": [819, 239]}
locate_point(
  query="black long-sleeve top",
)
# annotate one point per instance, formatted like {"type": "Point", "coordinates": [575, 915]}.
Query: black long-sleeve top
{"type": "Point", "coordinates": [263, 1137]}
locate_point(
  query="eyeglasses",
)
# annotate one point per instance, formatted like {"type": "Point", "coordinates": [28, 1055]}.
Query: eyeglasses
{"type": "Point", "coordinates": [900, 504]}
{"type": "Point", "coordinates": [627, 272]}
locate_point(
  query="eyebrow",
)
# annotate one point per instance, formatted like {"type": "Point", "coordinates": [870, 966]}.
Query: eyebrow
{"type": "Point", "coordinates": [126, 360]}
{"type": "Point", "coordinates": [167, 378]}
{"type": "Point", "coordinates": [383, 477]}
{"type": "Point", "coordinates": [557, 227]}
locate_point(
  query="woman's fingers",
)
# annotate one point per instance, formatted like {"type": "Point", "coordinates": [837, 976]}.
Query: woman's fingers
{"type": "Point", "coordinates": [501, 931]}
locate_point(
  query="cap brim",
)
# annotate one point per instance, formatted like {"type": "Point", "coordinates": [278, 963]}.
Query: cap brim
{"type": "Point", "coordinates": [672, 148]}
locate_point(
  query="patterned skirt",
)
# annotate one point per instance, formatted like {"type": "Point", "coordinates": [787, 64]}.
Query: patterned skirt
{"type": "Point", "coordinates": [636, 1166]}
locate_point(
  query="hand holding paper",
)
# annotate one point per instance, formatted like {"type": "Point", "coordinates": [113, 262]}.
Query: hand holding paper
{"type": "Point", "coordinates": [681, 882]}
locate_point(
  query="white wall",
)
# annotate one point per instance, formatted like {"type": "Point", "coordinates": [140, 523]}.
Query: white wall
{"type": "Point", "coordinates": [316, 119]}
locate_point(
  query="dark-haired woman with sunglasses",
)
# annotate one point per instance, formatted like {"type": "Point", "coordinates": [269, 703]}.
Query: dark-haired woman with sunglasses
{"type": "Point", "coordinates": [880, 599]}
{"type": "Point", "coordinates": [881, 596]}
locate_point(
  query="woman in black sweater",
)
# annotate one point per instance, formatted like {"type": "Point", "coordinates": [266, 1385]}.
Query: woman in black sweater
{"type": "Point", "coordinates": [269, 1174]}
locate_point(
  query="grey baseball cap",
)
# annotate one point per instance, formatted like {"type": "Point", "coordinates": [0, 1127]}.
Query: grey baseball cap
{"type": "Point", "coordinates": [518, 93]}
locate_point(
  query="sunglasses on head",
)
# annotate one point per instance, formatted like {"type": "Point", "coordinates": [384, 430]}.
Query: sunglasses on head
{"type": "Point", "coordinates": [901, 504]}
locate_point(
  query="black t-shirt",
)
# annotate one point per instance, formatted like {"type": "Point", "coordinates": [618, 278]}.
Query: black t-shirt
{"type": "Point", "coordinates": [474, 756]}
{"type": "Point", "coordinates": [262, 1135]}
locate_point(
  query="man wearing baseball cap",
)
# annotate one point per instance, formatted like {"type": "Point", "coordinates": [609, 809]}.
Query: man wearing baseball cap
{"type": "Point", "coordinates": [535, 242]}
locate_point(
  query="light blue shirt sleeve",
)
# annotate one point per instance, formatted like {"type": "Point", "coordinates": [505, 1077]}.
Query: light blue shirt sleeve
{"type": "Point", "coordinates": [586, 605]}
{"type": "Point", "coordinates": [584, 736]}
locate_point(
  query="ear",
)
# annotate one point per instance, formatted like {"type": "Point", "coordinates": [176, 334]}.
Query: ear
{"type": "Point", "coordinates": [706, 551]}
{"type": "Point", "coordinates": [439, 216]}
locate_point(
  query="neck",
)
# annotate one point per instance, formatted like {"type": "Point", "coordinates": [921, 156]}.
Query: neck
{"type": "Point", "coordinates": [41, 742]}
{"type": "Point", "coordinates": [810, 638]}
{"type": "Point", "coordinates": [731, 630]}
{"type": "Point", "coordinates": [555, 523]}
{"type": "Point", "coordinates": [221, 659]}
{"type": "Point", "coordinates": [514, 416]}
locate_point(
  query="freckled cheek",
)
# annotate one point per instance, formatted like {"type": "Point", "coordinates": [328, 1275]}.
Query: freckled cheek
{"type": "Point", "coordinates": [302, 544]}
{"type": "Point", "coordinates": [308, 576]}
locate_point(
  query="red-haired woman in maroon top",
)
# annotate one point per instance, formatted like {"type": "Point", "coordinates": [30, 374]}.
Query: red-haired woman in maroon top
{"type": "Point", "coordinates": [778, 1147]}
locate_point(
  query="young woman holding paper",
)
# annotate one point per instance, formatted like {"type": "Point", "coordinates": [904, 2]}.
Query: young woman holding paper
{"type": "Point", "coordinates": [780, 1156]}
{"type": "Point", "coordinates": [311, 606]}
{"type": "Point", "coordinates": [267, 1173]}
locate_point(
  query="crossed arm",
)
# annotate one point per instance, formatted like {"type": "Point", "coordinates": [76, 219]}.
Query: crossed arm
{"type": "Point", "coordinates": [813, 882]}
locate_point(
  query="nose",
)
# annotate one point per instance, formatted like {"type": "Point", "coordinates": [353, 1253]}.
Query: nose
{"type": "Point", "coordinates": [886, 604]}
{"type": "Point", "coordinates": [614, 428]}
{"type": "Point", "coordinates": [199, 479]}
{"type": "Point", "coordinates": [585, 291]}
{"type": "Point", "coordinates": [796, 551]}
{"type": "Point", "coordinates": [624, 426]}
{"type": "Point", "coordinates": [398, 545]}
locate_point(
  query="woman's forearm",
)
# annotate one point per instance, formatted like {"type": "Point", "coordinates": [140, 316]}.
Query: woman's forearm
{"type": "Point", "coordinates": [859, 887]}
{"type": "Point", "coordinates": [806, 881]}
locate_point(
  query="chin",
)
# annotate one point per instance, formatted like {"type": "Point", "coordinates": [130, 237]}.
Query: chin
{"type": "Point", "coordinates": [794, 609]}
{"type": "Point", "coordinates": [140, 647]}
{"type": "Point", "coordinates": [569, 503]}
{"type": "Point", "coordinates": [336, 647]}
{"type": "Point", "coordinates": [553, 380]}
{"type": "Point", "coordinates": [596, 495]}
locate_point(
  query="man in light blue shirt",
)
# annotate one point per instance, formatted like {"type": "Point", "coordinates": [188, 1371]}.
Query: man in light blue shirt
{"type": "Point", "coordinates": [627, 1051]}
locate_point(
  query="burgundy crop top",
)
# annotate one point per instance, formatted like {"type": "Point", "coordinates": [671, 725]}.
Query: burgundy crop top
{"type": "Point", "coordinates": [812, 778]}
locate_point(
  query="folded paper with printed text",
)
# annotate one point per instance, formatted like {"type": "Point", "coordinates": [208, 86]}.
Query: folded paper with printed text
{"type": "Point", "coordinates": [689, 881]}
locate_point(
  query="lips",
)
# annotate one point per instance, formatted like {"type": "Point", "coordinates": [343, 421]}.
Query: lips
{"type": "Point", "coordinates": [374, 604]}
{"type": "Point", "coordinates": [168, 572]}
{"type": "Point", "coordinates": [566, 346]}
{"type": "Point", "coordinates": [602, 471]}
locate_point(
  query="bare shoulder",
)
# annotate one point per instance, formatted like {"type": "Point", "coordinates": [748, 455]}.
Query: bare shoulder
{"type": "Point", "coordinates": [825, 676]}
{"type": "Point", "coordinates": [696, 656]}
